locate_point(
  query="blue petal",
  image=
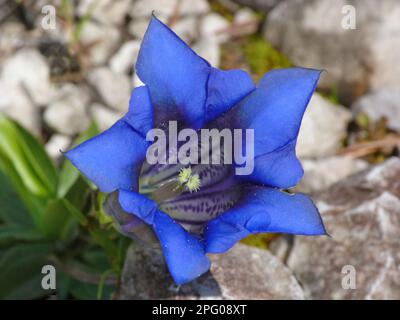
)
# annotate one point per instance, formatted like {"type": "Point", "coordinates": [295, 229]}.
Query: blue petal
{"type": "Point", "coordinates": [140, 114]}
{"type": "Point", "coordinates": [226, 89]}
{"type": "Point", "coordinates": [275, 110]}
{"type": "Point", "coordinates": [184, 253]}
{"type": "Point", "coordinates": [176, 76]}
{"type": "Point", "coordinates": [278, 168]}
{"type": "Point", "coordinates": [113, 159]}
{"type": "Point", "coordinates": [263, 210]}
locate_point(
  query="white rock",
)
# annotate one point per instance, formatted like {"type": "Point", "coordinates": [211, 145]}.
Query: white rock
{"type": "Point", "coordinates": [244, 15]}
{"type": "Point", "coordinates": [15, 103]}
{"type": "Point", "coordinates": [136, 82]}
{"type": "Point", "coordinates": [105, 11]}
{"type": "Point", "coordinates": [113, 88]}
{"type": "Point", "coordinates": [102, 39]}
{"type": "Point", "coordinates": [382, 103]}
{"type": "Point", "coordinates": [124, 60]}
{"type": "Point", "coordinates": [138, 26]}
{"type": "Point", "coordinates": [322, 129]}
{"type": "Point", "coordinates": [186, 28]}
{"type": "Point", "coordinates": [209, 49]}
{"type": "Point", "coordinates": [320, 174]}
{"type": "Point", "coordinates": [144, 8]}
{"type": "Point", "coordinates": [11, 36]}
{"type": "Point", "coordinates": [57, 144]}
{"type": "Point", "coordinates": [103, 116]}
{"type": "Point", "coordinates": [68, 114]}
{"type": "Point", "coordinates": [311, 34]}
{"type": "Point", "coordinates": [361, 216]}
{"type": "Point", "coordinates": [245, 22]}
{"type": "Point", "coordinates": [215, 26]}
{"type": "Point", "coordinates": [29, 69]}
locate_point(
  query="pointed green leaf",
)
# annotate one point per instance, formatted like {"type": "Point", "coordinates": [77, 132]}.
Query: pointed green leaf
{"type": "Point", "coordinates": [28, 157]}
{"type": "Point", "coordinates": [19, 265]}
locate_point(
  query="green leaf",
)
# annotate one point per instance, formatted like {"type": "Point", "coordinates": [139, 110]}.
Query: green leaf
{"type": "Point", "coordinates": [29, 290]}
{"type": "Point", "coordinates": [28, 157]}
{"type": "Point", "coordinates": [21, 267]}
{"type": "Point", "coordinates": [57, 221]}
{"type": "Point", "coordinates": [12, 233]}
{"type": "Point", "coordinates": [73, 211]}
{"type": "Point", "coordinates": [11, 212]}
{"type": "Point", "coordinates": [69, 174]}
{"type": "Point", "coordinates": [88, 291]}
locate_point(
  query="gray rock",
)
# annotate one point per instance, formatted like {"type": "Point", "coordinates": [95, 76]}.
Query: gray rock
{"type": "Point", "coordinates": [124, 60]}
{"type": "Point", "coordinates": [281, 246]}
{"type": "Point", "coordinates": [57, 144]}
{"type": "Point", "coordinates": [113, 88]}
{"type": "Point", "coordinates": [323, 127]}
{"type": "Point", "coordinates": [103, 116]}
{"type": "Point", "coordinates": [186, 28]}
{"type": "Point", "coordinates": [320, 174]}
{"type": "Point", "coordinates": [244, 15]}
{"type": "Point", "coordinates": [11, 37]}
{"type": "Point", "coordinates": [167, 8]}
{"type": "Point", "coordinates": [362, 215]}
{"type": "Point", "coordinates": [311, 34]}
{"type": "Point", "coordinates": [215, 26]}
{"type": "Point", "coordinates": [246, 21]}
{"type": "Point", "coordinates": [105, 11]}
{"type": "Point", "coordinates": [67, 114]}
{"type": "Point", "coordinates": [138, 26]}
{"type": "Point", "coordinates": [242, 273]}
{"type": "Point", "coordinates": [101, 39]}
{"type": "Point", "coordinates": [209, 49]}
{"type": "Point", "coordinates": [383, 103]}
{"type": "Point", "coordinates": [29, 69]}
{"type": "Point", "coordinates": [15, 103]}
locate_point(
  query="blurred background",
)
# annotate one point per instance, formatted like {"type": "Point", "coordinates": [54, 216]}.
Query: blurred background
{"type": "Point", "coordinates": [66, 73]}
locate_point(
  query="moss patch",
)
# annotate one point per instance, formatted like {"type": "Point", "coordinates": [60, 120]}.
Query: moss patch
{"type": "Point", "coordinates": [262, 57]}
{"type": "Point", "coordinates": [259, 240]}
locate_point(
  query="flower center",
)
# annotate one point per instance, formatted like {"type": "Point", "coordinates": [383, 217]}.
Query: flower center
{"type": "Point", "coordinates": [190, 180]}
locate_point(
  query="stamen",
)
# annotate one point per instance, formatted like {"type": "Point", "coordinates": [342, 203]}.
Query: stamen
{"type": "Point", "coordinates": [184, 175]}
{"type": "Point", "coordinates": [191, 181]}
{"type": "Point", "coordinates": [194, 183]}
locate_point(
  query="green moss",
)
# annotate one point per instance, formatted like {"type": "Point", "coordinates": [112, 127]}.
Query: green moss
{"type": "Point", "coordinates": [259, 240]}
{"type": "Point", "coordinates": [218, 7]}
{"type": "Point", "coordinates": [262, 57]}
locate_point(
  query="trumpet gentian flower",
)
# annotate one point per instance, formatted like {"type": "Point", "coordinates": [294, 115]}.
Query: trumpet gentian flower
{"type": "Point", "coordinates": [217, 208]}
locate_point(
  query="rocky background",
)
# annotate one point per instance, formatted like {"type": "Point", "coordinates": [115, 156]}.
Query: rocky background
{"type": "Point", "coordinates": [55, 82]}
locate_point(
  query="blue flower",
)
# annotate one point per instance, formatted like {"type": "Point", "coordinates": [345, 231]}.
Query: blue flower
{"type": "Point", "coordinates": [181, 86]}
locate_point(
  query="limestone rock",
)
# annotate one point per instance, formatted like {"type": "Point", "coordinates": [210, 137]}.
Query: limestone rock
{"type": "Point", "coordinates": [29, 69]}
{"type": "Point", "coordinates": [124, 60]}
{"type": "Point", "coordinates": [317, 33]}
{"type": "Point", "coordinates": [320, 174]}
{"type": "Point", "coordinates": [68, 114]}
{"type": "Point", "coordinates": [242, 273]}
{"type": "Point", "coordinates": [362, 215]}
{"type": "Point", "coordinates": [323, 127]}
{"type": "Point", "coordinates": [102, 41]}
{"type": "Point", "coordinates": [383, 103]}
{"type": "Point", "coordinates": [112, 87]}
{"type": "Point", "coordinates": [103, 116]}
